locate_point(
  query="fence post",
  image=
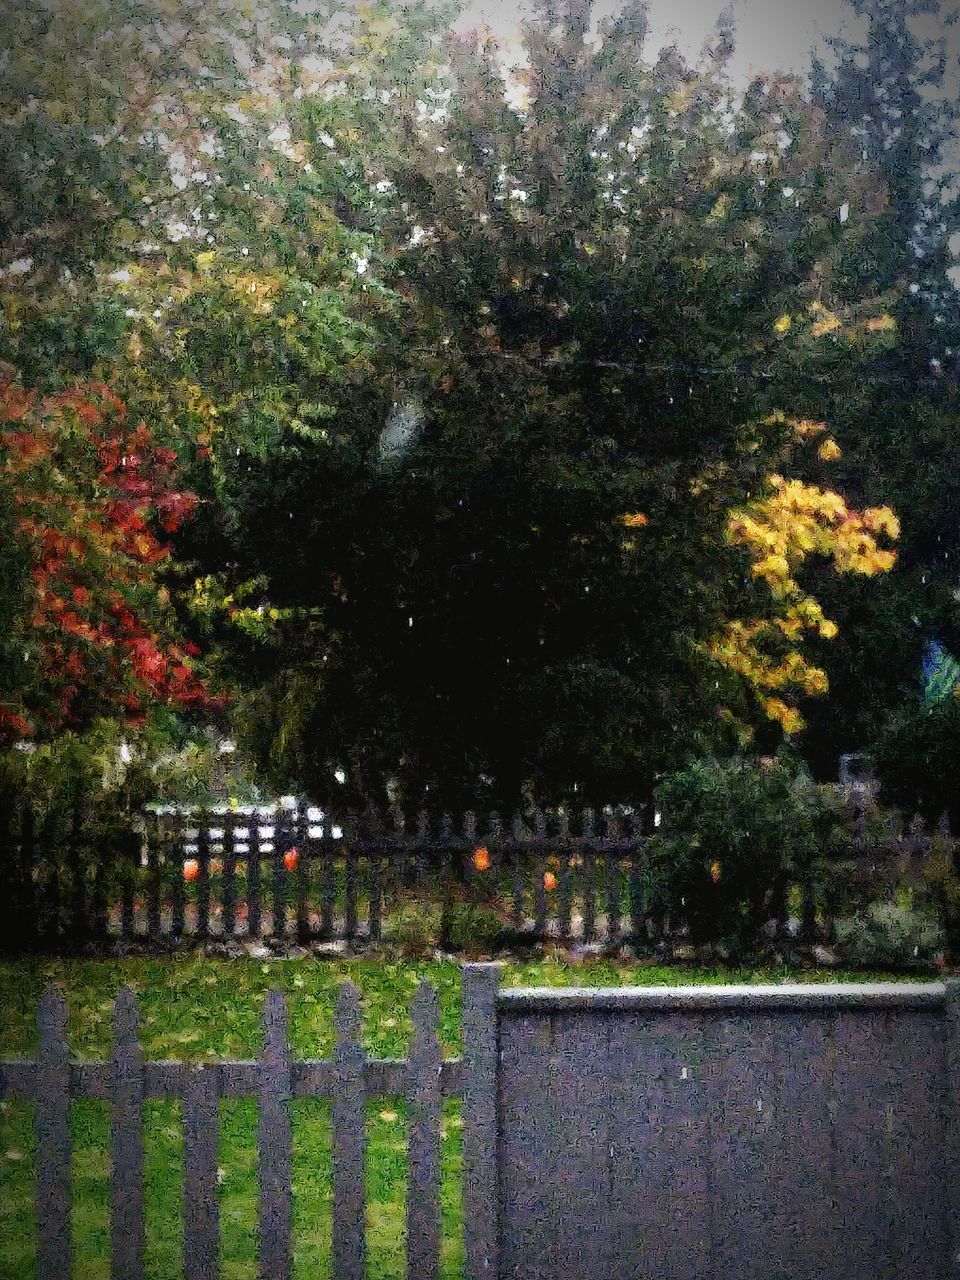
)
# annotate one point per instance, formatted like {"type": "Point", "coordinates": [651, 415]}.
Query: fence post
{"type": "Point", "coordinates": [127, 1232]}
{"type": "Point", "coordinates": [952, 1153]}
{"type": "Point", "coordinates": [480, 1064]}
{"type": "Point", "coordinates": [52, 1101]}
{"type": "Point", "coordinates": [423, 1145]}
{"type": "Point", "coordinates": [349, 1134]}
{"type": "Point", "coordinates": [275, 1144]}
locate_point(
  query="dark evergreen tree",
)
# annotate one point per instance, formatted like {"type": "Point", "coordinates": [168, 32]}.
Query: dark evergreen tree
{"type": "Point", "coordinates": [895, 98]}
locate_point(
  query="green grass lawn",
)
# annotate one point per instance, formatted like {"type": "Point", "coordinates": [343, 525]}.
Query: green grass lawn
{"type": "Point", "coordinates": [196, 1008]}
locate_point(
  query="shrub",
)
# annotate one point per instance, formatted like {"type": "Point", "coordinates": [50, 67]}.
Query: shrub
{"type": "Point", "coordinates": [734, 834]}
{"type": "Point", "coordinates": [942, 880]}
{"type": "Point", "coordinates": [891, 934]}
{"type": "Point", "coordinates": [474, 928]}
{"type": "Point", "coordinates": [413, 928]}
{"type": "Point", "coordinates": [917, 759]}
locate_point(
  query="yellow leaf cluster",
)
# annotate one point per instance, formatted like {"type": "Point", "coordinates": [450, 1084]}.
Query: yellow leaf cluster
{"type": "Point", "coordinates": [779, 532]}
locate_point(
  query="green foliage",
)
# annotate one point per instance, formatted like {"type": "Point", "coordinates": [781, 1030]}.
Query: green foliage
{"type": "Point", "coordinates": [917, 759]}
{"type": "Point", "coordinates": [942, 880]}
{"type": "Point", "coordinates": [578, 294]}
{"type": "Point", "coordinates": [891, 935]}
{"type": "Point", "coordinates": [733, 833]}
{"type": "Point", "coordinates": [423, 348]}
{"type": "Point", "coordinates": [894, 96]}
{"type": "Point", "coordinates": [413, 928]}
{"type": "Point", "coordinates": [474, 928]}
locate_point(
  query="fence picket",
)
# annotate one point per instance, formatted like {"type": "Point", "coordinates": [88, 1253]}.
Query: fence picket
{"type": "Point", "coordinates": [349, 1140]}
{"type": "Point", "coordinates": [418, 853]}
{"type": "Point", "coordinates": [375, 872]}
{"type": "Point", "coordinates": [26, 920]}
{"type": "Point", "coordinates": [540, 899]}
{"type": "Point", "coordinates": [281, 843]}
{"type": "Point", "coordinates": [203, 879]}
{"type": "Point", "coordinates": [178, 923]}
{"type": "Point", "coordinates": [52, 1099]}
{"type": "Point", "coordinates": [301, 875]}
{"type": "Point", "coordinates": [127, 1232]}
{"type": "Point", "coordinates": [565, 895]}
{"type": "Point", "coordinates": [130, 856]}
{"type": "Point", "coordinates": [517, 867]}
{"type": "Point", "coordinates": [275, 1144]}
{"type": "Point", "coordinates": [480, 1178]}
{"type": "Point", "coordinates": [470, 826]}
{"type": "Point", "coordinates": [201, 1135]}
{"type": "Point", "coordinates": [423, 1145]}
{"type": "Point", "coordinates": [253, 876]}
{"type": "Point", "coordinates": [327, 909]}
{"type": "Point", "coordinates": [588, 872]}
{"type": "Point", "coordinates": [350, 878]}
{"type": "Point", "coordinates": [613, 882]}
{"type": "Point", "coordinates": [154, 922]}
{"type": "Point", "coordinates": [228, 885]}
{"type": "Point", "coordinates": [47, 878]}
{"type": "Point", "coordinates": [75, 861]}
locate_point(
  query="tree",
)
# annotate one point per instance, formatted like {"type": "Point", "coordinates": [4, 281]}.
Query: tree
{"type": "Point", "coordinates": [511, 553]}
{"type": "Point", "coordinates": [894, 97]}
{"type": "Point", "coordinates": [90, 504]}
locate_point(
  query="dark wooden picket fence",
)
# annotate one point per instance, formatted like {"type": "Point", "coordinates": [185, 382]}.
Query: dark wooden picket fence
{"type": "Point", "coordinates": [580, 877]}
{"type": "Point", "coordinates": [737, 1133]}
{"type": "Point", "coordinates": [353, 868]}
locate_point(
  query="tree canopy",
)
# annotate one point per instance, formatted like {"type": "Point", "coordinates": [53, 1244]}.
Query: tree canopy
{"type": "Point", "coordinates": [547, 425]}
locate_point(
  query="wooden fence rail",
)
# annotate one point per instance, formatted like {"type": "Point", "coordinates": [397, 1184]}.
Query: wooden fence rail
{"type": "Point", "coordinates": [809, 1131]}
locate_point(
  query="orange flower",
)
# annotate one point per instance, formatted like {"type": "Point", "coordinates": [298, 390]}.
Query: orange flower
{"type": "Point", "coordinates": [291, 858]}
{"type": "Point", "coordinates": [635, 521]}
{"type": "Point", "coordinates": [714, 871]}
{"type": "Point", "coordinates": [481, 859]}
{"type": "Point", "coordinates": [549, 881]}
{"type": "Point", "coordinates": [191, 869]}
